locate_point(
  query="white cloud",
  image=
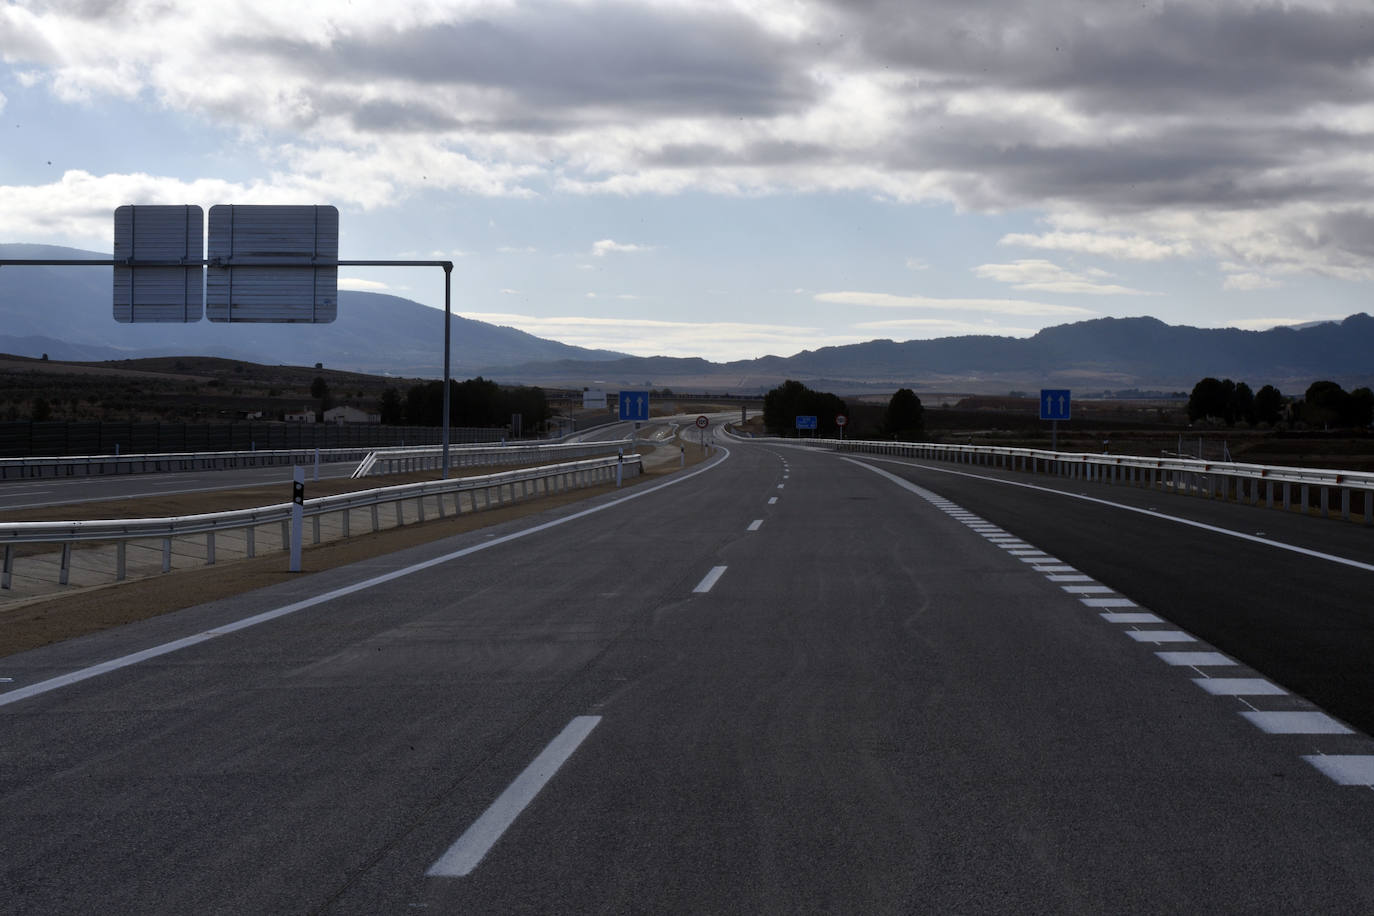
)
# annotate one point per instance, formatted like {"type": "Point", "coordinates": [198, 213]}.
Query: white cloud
{"type": "Point", "coordinates": [517, 249]}
{"type": "Point", "coordinates": [1245, 282]}
{"type": "Point", "coordinates": [926, 328]}
{"type": "Point", "coordinates": [1264, 324]}
{"type": "Point", "coordinates": [510, 292]}
{"type": "Point", "coordinates": [1127, 248]}
{"type": "Point", "coordinates": [992, 306]}
{"type": "Point", "coordinates": [723, 340]}
{"type": "Point", "coordinates": [370, 286]}
{"type": "Point", "coordinates": [917, 264]}
{"type": "Point", "coordinates": [607, 246]}
{"type": "Point", "coordinates": [1046, 276]}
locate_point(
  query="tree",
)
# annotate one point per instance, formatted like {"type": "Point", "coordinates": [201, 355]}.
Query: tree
{"type": "Point", "coordinates": [391, 407]}
{"type": "Point", "coordinates": [1242, 404]}
{"type": "Point", "coordinates": [1268, 406]}
{"type": "Point", "coordinates": [1325, 404]}
{"type": "Point", "coordinates": [41, 410]}
{"type": "Point", "coordinates": [319, 389]}
{"type": "Point", "coordinates": [783, 404]}
{"type": "Point", "coordinates": [1207, 400]}
{"type": "Point", "coordinates": [905, 417]}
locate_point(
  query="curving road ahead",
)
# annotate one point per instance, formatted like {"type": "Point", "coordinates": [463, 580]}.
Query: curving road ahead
{"type": "Point", "coordinates": [787, 681]}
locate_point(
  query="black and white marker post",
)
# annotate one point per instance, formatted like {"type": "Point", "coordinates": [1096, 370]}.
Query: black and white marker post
{"type": "Point", "coordinates": [297, 516]}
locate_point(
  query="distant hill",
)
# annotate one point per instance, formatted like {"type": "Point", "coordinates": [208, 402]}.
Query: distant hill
{"type": "Point", "coordinates": [66, 312]}
{"type": "Point", "coordinates": [1105, 353]}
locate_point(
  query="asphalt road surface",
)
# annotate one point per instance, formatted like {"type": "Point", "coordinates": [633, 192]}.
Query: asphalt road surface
{"type": "Point", "coordinates": [783, 682]}
{"type": "Point", "coordinates": [53, 491]}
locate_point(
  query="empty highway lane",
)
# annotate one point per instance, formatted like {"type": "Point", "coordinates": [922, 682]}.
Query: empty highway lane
{"type": "Point", "coordinates": [787, 682]}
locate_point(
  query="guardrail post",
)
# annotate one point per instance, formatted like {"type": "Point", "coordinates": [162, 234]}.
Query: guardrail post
{"type": "Point", "coordinates": [1287, 496]}
{"type": "Point", "coordinates": [315, 529]}
{"type": "Point", "coordinates": [376, 522]}
{"type": "Point", "coordinates": [250, 541]}
{"type": "Point", "coordinates": [8, 572]}
{"type": "Point", "coordinates": [66, 563]}
{"type": "Point", "coordinates": [400, 514]}
{"type": "Point", "coordinates": [209, 548]}
{"type": "Point", "coordinates": [1306, 500]}
{"type": "Point", "coordinates": [1325, 501]}
{"type": "Point", "coordinates": [121, 567]}
{"type": "Point", "coordinates": [1345, 503]}
{"type": "Point", "coordinates": [1269, 494]}
{"type": "Point", "coordinates": [166, 555]}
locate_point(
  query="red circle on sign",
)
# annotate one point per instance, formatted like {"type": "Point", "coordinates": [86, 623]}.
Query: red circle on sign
{"type": "Point", "coordinates": [841, 420]}
{"type": "Point", "coordinates": [702, 422]}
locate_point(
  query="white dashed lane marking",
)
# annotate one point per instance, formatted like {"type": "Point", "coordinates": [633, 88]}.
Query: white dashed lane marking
{"type": "Point", "coordinates": [709, 580]}
{"type": "Point", "coordinates": [1345, 770]}
{"type": "Point", "coordinates": [772, 500]}
{"type": "Point", "coordinates": [755, 525]}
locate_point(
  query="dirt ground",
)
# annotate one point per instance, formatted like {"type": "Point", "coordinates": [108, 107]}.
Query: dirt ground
{"type": "Point", "coordinates": [50, 620]}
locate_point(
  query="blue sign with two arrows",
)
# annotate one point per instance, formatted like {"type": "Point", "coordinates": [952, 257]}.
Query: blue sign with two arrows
{"type": "Point", "coordinates": [1054, 403]}
{"type": "Point", "coordinates": [634, 405]}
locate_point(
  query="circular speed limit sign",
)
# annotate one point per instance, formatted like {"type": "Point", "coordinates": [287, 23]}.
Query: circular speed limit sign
{"type": "Point", "coordinates": [841, 420]}
{"type": "Point", "coordinates": [702, 422]}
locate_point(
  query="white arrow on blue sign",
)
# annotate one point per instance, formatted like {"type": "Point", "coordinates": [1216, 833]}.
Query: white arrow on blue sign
{"type": "Point", "coordinates": [1055, 403]}
{"type": "Point", "coordinates": [634, 405]}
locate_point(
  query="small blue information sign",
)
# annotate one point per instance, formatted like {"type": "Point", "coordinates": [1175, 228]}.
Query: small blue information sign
{"type": "Point", "coordinates": [1055, 403]}
{"type": "Point", "coordinates": [806, 422]}
{"type": "Point", "coordinates": [634, 405]}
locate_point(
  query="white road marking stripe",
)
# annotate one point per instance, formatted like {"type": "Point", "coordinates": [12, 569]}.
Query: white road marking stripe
{"type": "Point", "coordinates": [1296, 723]}
{"type": "Point", "coordinates": [755, 525]}
{"type": "Point", "coordinates": [1239, 687]}
{"type": "Point", "coordinates": [1086, 589]}
{"type": "Point", "coordinates": [1108, 602]}
{"type": "Point", "coordinates": [1078, 577]}
{"type": "Point", "coordinates": [465, 854]}
{"type": "Point", "coordinates": [1158, 636]}
{"type": "Point", "coordinates": [1345, 769]}
{"type": "Point", "coordinates": [1055, 568]}
{"type": "Point", "coordinates": [709, 581]}
{"type": "Point", "coordinates": [1153, 513]}
{"type": "Point", "coordinates": [1140, 617]}
{"type": "Point", "coordinates": [125, 661]}
{"type": "Point", "coordinates": [1028, 554]}
{"type": "Point", "coordinates": [1195, 659]}
{"type": "Point", "coordinates": [780, 486]}
{"type": "Point", "coordinates": [1041, 558]}
{"type": "Point", "coordinates": [772, 500]}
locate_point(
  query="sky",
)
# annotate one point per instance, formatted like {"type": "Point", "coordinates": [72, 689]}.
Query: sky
{"type": "Point", "coordinates": [731, 178]}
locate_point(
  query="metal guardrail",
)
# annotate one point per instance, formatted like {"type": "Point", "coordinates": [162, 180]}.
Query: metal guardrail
{"type": "Point", "coordinates": [1253, 484]}
{"type": "Point", "coordinates": [430, 457]}
{"type": "Point", "coordinates": [494, 489]}
{"type": "Point", "coordinates": [100, 465]}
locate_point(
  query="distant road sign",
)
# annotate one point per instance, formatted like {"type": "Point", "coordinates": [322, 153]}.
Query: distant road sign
{"type": "Point", "coordinates": [593, 398]}
{"type": "Point", "coordinates": [159, 233]}
{"type": "Point", "coordinates": [806, 422]}
{"type": "Point", "coordinates": [841, 420]}
{"type": "Point", "coordinates": [634, 405]}
{"type": "Point", "coordinates": [702, 422]}
{"type": "Point", "coordinates": [1055, 404]}
{"type": "Point", "coordinates": [287, 257]}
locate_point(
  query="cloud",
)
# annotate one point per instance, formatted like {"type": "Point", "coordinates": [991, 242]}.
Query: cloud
{"type": "Point", "coordinates": [1128, 248]}
{"type": "Point", "coordinates": [1236, 130]}
{"type": "Point", "coordinates": [510, 292]}
{"type": "Point", "coordinates": [926, 328]}
{"type": "Point", "coordinates": [1246, 282]}
{"type": "Point", "coordinates": [517, 249]}
{"type": "Point", "coordinates": [917, 264]}
{"type": "Point", "coordinates": [716, 340]}
{"type": "Point", "coordinates": [607, 246]}
{"type": "Point", "coordinates": [1045, 276]}
{"type": "Point", "coordinates": [1264, 324]}
{"type": "Point", "coordinates": [991, 306]}
{"type": "Point", "coordinates": [357, 283]}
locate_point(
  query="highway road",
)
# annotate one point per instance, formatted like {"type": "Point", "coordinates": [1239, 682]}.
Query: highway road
{"type": "Point", "coordinates": [24, 494]}
{"type": "Point", "coordinates": [784, 681]}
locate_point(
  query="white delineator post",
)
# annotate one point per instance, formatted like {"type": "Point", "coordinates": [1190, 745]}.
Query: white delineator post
{"type": "Point", "coordinates": [297, 516]}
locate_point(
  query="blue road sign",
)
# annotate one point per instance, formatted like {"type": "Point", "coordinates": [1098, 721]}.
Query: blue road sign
{"type": "Point", "coordinates": [634, 405]}
{"type": "Point", "coordinates": [806, 422]}
{"type": "Point", "coordinates": [1055, 403]}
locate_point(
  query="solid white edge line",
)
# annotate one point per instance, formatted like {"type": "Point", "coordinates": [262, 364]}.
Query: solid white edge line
{"type": "Point", "coordinates": [1268, 542]}
{"type": "Point", "coordinates": [709, 581]}
{"type": "Point", "coordinates": [469, 849]}
{"type": "Point", "coordinates": [124, 661]}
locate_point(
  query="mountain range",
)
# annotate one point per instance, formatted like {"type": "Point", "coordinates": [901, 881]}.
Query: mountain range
{"type": "Point", "coordinates": [66, 312]}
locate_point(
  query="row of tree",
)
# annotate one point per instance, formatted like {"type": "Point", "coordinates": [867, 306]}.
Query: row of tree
{"type": "Point", "coordinates": [904, 418]}
{"type": "Point", "coordinates": [475, 402]}
{"type": "Point", "coordinates": [1325, 403]}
